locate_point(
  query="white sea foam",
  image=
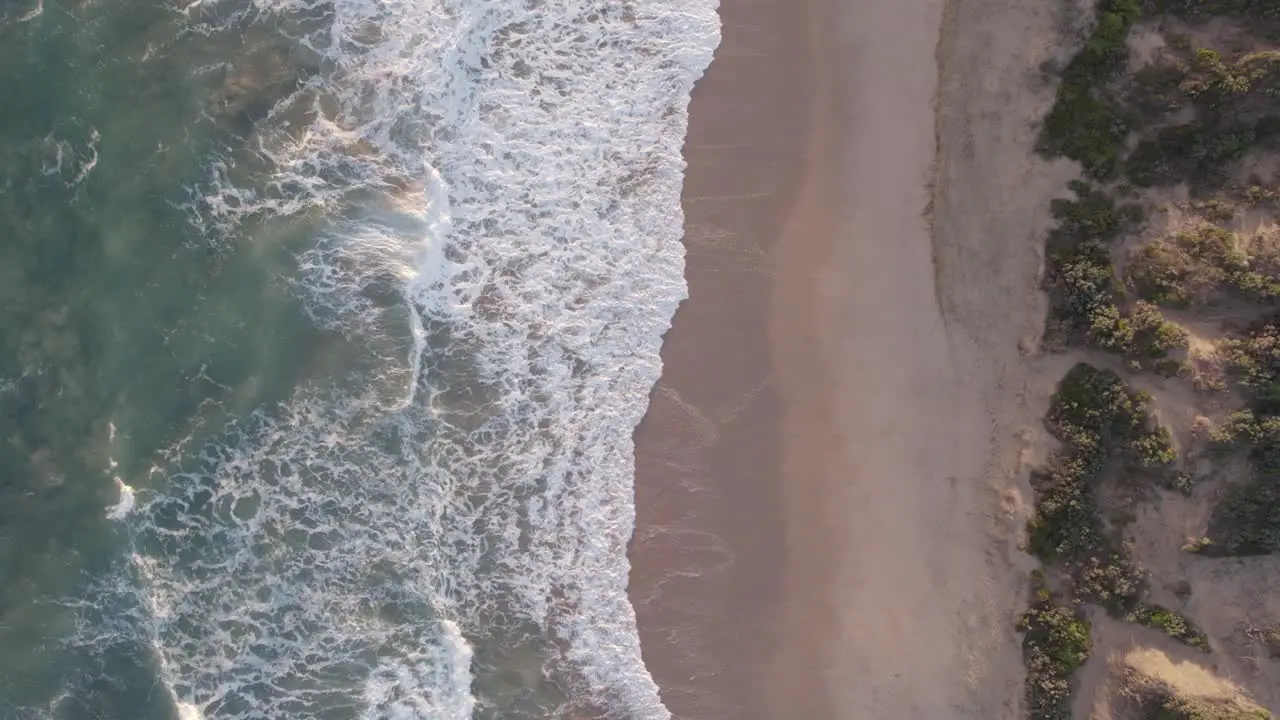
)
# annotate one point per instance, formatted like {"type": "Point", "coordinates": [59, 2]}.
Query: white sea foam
{"type": "Point", "coordinates": [124, 505]}
{"type": "Point", "coordinates": [511, 170]}
{"type": "Point", "coordinates": [434, 683]}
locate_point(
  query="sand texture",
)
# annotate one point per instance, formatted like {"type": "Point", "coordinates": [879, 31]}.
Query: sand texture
{"type": "Point", "coordinates": [831, 479]}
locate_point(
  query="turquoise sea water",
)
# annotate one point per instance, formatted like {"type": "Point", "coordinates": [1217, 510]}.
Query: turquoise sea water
{"type": "Point", "coordinates": [116, 313]}
{"type": "Point", "coordinates": [323, 330]}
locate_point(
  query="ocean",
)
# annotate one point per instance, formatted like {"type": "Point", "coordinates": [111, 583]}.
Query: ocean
{"type": "Point", "coordinates": [324, 329]}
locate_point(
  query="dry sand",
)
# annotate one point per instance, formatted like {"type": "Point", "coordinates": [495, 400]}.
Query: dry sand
{"type": "Point", "coordinates": [831, 480]}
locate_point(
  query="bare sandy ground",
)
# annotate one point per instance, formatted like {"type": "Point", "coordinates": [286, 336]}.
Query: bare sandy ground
{"type": "Point", "coordinates": [831, 479]}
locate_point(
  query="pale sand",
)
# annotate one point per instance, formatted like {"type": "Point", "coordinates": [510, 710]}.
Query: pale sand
{"type": "Point", "coordinates": [829, 510]}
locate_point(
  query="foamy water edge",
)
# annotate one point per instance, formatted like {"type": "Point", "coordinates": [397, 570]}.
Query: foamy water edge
{"type": "Point", "coordinates": [488, 129]}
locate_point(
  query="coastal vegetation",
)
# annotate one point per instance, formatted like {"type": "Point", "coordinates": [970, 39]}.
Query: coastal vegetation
{"type": "Point", "coordinates": [1166, 257]}
{"type": "Point", "coordinates": [1109, 436]}
{"type": "Point", "coordinates": [1087, 122]}
{"type": "Point", "coordinates": [1057, 644]}
{"type": "Point", "coordinates": [1160, 702]}
{"type": "Point", "coordinates": [1247, 520]}
{"type": "Point", "coordinates": [1148, 684]}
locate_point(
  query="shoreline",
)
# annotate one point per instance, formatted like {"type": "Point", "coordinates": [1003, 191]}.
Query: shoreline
{"type": "Point", "coordinates": [829, 511]}
{"type": "Point", "coordinates": [708, 553]}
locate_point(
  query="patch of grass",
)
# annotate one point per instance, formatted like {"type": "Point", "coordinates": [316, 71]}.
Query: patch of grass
{"type": "Point", "coordinates": [1263, 16]}
{"type": "Point", "coordinates": [1171, 623]}
{"type": "Point", "coordinates": [1247, 520]}
{"type": "Point", "coordinates": [1253, 360]}
{"type": "Point", "coordinates": [1091, 214]}
{"type": "Point", "coordinates": [1104, 426]}
{"type": "Point", "coordinates": [1165, 705]}
{"type": "Point", "coordinates": [1085, 292]}
{"type": "Point", "coordinates": [1195, 267]}
{"type": "Point", "coordinates": [1195, 152]}
{"type": "Point", "coordinates": [1153, 336]}
{"type": "Point", "coordinates": [1086, 123]}
{"type": "Point", "coordinates": [1056, 643]}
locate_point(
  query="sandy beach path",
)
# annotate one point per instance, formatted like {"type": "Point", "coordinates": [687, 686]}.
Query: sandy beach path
{"type": "Point", "coordinates": [831, 479]}
{"type": "Point", "coordinates": [881, 455]}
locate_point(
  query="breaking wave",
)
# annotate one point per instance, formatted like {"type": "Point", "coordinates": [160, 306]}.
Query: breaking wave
{"type": "Point", "coordinates": [494, 187]}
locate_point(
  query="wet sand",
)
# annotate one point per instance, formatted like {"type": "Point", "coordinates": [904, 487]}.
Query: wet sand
{"type": "Point", "coordinates": [709, 550]}
{"type": "Point", "coordinates": [830, 480]}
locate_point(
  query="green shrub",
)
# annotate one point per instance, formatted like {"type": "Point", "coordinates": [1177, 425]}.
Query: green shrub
{"type": "Point", "coordinates": [1247, 520]}
{"type": "Point", "coordinates": [1086, 124]}
{"type": "Point", "coordinates": [1173, 624]}
{"type": "Point", "coordinates": [1091, 215]}
{"type": "Point", "coordinates": [1095, 414]}
{"type": "Point", "coordinates": [1194, 152]}
{"type": "Point", "coordinates": [1153, 336]}
{"type": "Point", "coordinates": [1065, 525]}
{"type": "Point", "coordinates": [1244, 429]}
{"type": "Point", "coordinates": [1110, 579]}
{"type": "Point", "coordinates": [1254, 361]}
{"type": "Point", "coordinates": [1195, 267]}
{"type": "Point", "coordinates": [1083, 290]}
{"type": "Point", "coordinates": [1156, 90]}
{"type": "Point", "coordinates": [1083, 287]}
{"type": "Point", "coordinates": [1216, 84]}
{"type": "Point", "coordinates": [1263, 16]}
{"type": "Point", "coordinates": [1056, 644]}
{"type": "Point", "coordinates": [1163, 272]}
{"type": "Point", "coordinates": [1102, 424]}
{"type": "Point", "coordinates": [1216, 210]}
{"type": "Point", "coordinates": [1271, 639]}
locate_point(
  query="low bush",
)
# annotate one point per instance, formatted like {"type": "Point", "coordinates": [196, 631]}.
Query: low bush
{"type": "Point", "coordinates": [1083, 293]}
{"type": "Point", "coordinates": [1195, 152]}
{"type": "Point", "coordinates": [1262, 16]}
{"type": "Point", "coordinates": [1196, 267]}
{"type": "Point", "coordinates": [1153, 336]}
{"type": "Point", "coordinates": [1107, 431]}
{"type": "Point", "coordinates": [1247, 520]}
{"type": "Point", "coordinates": [1103, 426]}
{"type": "Point", "coordinates": [1091, 214]}
{"type": "Point", "coordinates": [1173, 624]}
{"type": "Point", "coordinates": [1086, 123]}
{"type": "Point", "coordinates": [1253, 360]}
{"type": "Point", "coordinates": [1097, 416]}
{"type": "Point", "coordinates": [1056, 643]}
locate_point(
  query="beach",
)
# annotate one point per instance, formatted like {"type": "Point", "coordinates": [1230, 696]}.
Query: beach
{"type": "Point", "coordinates": [831, 479]}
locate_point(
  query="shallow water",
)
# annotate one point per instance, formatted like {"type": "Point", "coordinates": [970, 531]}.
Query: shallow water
{"type": "Point", "coordinates": [326, 326]}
